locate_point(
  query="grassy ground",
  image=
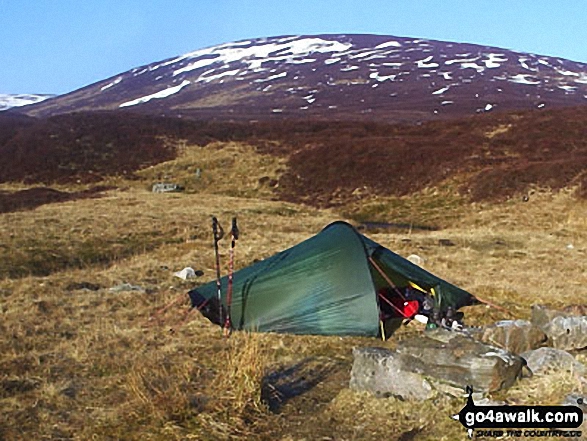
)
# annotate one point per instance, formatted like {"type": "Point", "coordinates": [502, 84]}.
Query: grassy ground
{"type": "Point", "coordinates": [78, 361]}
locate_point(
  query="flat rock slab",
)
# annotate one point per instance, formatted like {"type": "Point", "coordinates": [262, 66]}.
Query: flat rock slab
{"type": "Point", "coordinates": [462, 362]}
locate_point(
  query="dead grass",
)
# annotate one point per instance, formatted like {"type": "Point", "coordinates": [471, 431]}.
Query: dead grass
{"type": "Point", "coordinates": [233, 169]}
{"type": "Point", "coordinates": [79, 364]}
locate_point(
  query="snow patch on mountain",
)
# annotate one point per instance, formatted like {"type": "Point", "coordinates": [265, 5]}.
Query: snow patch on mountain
{"type": "Point", "coordinates": [287, 50]}
{"type": "Point", "coordinates": [8, 101]}
{"type": "Point", "coordinates": [158, 95]}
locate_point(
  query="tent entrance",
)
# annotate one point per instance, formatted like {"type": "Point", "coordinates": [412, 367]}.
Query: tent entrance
{"type": "Point", "coordinates": [398, 298]}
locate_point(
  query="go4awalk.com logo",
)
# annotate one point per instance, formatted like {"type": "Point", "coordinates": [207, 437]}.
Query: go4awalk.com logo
{"type": "Point", "coordinates": [520, 421]}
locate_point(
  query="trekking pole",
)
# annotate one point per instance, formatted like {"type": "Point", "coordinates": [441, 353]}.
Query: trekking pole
{"type": "Point", "coordinates": [218, 235]}
{"type": "Point", "coordinates": [234, 236]}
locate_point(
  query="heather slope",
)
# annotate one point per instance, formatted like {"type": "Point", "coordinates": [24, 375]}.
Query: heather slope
{"type": "Point", "coordinates": [485, 157]}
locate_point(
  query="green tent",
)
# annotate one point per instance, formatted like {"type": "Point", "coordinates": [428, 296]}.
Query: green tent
{"type": "Point", "coordinates": [325, 285]}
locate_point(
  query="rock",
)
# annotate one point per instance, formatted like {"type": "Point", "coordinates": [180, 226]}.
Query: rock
{"type": "Point", "coordinates": [186, 273]}
{"type": "Point", "coordinates": [575, 310]}
{"type": "Point", "coordinates": [461, 361]}
{"type": "Point", "coordinates": [576, 400]}
{"type": "Point", "coordinates": [566, 329]}
{"type": "Point", "coordinates": [446, 243]}
{"type": "Point", "coordinates": [581, 402]}
{"type": "Point", "coordinates": [380, 372]}
{"type": "Point", "coordinates": [123, 287]}
{"type": "Point", "coordinates": [544, 360]}
{"type": "Point", "coordinates": [86, 286]}
{"type": "Point", "coordinates": [541, 315]}
{"type": "Point", "coordinates": [515, 336]}
{"type": "Point", "coordinates": [567, 333]}
{"type": "Point", "coordinates": [441, 334]}
{"type": "Point", "coordinates": [163, 187]}
{"type": "Point", "coordinates": [416, 260]}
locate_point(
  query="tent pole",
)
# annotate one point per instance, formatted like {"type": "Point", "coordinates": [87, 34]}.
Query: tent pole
{"type": "Point", "coordinates": [393, 306]}
{"type": "Point", "coordinates": [387, 279]}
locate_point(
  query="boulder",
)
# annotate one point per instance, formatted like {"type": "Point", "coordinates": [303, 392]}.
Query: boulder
{"type": "Point", "coordinates": [544, 360]}
{"type": "Point", "coordinates": [567, 332]}
{"type": "Point", "coordinates": [566, 329]}
{"type": "Point", "coordinates": [461, 362]}
{"type": "Point", "coordinates": [380, 372]}
{"type": "Point", "coordinates": [542, 315]}
{"type": "Point", "coordinates": [163, 187]}
{"type": "Point", "coordinates": [515, 336]}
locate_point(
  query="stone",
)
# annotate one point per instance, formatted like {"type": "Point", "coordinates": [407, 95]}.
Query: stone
{"type": "Point", "coordinates": [163, 187]}
{"type": "Point", "coordinates": [545, 360]}
{"type": "Point", "coordinates": [416, 260]}
{"type": "Point", "coordinates": [579, 400]}
{"type": "Point", "coordinates": [85, 286]}
{"type": "Point", "coordinates": [515, 336]}
{"type": "Point", "coordinates": [566, 329]}
{"type": "Point", "coordinates": [380, 372]}
{"type": "Point", "coordinates": [567, 332]}
{"type": "Point", "coordinates": [186, 273]}
{"type": "Point", "coordinates": [541, 315]}
{"type": "Point", "coordinates": [461, 362]}
{"type": "Point", "coordinates": [446, 243]}
{"type": "Point", "coordinates": [124, 287]}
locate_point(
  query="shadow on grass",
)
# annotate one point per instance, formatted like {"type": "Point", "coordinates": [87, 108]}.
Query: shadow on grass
{"type": "Point", "coordinates": [32, 198]}
{"type": "Point", "coordinates": [289, 382]}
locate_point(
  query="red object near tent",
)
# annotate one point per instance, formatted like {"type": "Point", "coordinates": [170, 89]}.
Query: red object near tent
{"type": "Point", "coordinates": [402, 307]}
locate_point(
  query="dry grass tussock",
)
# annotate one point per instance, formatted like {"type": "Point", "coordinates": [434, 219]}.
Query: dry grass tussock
{"type": "Point", "coordinates": [77, 361]}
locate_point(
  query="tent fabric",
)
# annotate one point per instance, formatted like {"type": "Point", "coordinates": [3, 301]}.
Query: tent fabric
{"type": "Point", "coordinates": [325, 285]}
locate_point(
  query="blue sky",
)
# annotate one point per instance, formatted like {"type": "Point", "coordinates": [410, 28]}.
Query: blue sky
{"type": "Point", "coordinates": [56, 46]}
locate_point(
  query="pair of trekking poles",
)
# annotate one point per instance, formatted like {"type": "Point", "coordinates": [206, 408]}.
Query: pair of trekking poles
{"type": "Point", "coordinates": [218, 233]}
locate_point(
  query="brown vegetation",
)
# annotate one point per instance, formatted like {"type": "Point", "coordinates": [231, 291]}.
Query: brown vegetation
{"type": "Point", "coordinates": [78, 362]}
{"type": "Point", "coordinates": [490, 157]}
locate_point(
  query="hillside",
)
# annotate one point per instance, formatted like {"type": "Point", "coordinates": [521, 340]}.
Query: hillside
{"type": "Point", "coordinates": [485, 157]}
{"type": "Point", "coordinates": [335, 77]}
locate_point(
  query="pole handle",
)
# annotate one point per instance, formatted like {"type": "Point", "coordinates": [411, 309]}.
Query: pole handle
{"type": "Point", "coordinates": [217, 229]}
{"type": "Point", "coordinates": [234, 230]}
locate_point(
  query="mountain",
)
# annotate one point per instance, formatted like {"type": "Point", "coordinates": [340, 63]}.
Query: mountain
{"type": "Point", "coordinates": [364, 77]}
{"type": "Point", "coordinates": [8, 101]}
